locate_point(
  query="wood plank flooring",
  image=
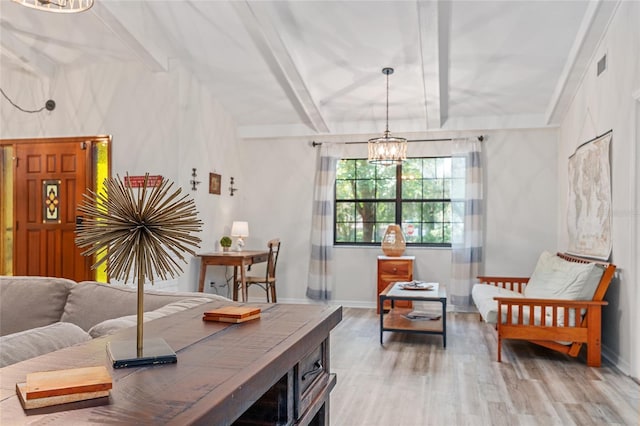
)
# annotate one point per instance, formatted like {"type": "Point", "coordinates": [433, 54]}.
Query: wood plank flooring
{"type": "Point", "coordinates": [412, 380]}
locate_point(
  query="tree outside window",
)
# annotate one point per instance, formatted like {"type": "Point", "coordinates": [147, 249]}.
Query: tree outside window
{"type": "Point", "coordinates": [415, 194]}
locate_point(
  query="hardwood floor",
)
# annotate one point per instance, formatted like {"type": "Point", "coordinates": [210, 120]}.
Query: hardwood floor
{"type": "Point", "coordinates": [412, 380]}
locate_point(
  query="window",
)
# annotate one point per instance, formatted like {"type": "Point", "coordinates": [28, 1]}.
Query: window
{"type": "Point", "coordinates": [416, 194]}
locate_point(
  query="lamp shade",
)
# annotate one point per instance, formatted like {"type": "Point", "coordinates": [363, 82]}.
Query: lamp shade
{"type": "Point", "coordinates": [240, 229]}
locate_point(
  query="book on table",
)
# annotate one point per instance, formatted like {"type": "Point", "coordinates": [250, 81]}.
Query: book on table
{"type": "Point", "coordinates": [232, 314]}
{"type": "Point", "coordinates": [48, 388]}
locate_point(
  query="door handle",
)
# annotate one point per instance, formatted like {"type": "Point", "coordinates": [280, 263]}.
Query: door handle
{"type": "Point", "coordinates": [79, 220]}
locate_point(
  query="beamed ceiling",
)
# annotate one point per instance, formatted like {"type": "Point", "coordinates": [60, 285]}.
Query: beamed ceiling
{"type": "Point", "coordinates": [291, 68]}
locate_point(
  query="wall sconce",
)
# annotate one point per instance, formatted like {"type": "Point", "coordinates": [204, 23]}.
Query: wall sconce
{"type": "Point", "coordinates": [231, 188]}
{"type": "Point", "coordinates": [193, 180]}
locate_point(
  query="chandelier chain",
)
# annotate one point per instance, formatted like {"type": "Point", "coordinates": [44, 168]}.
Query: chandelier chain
{"type": "Point", "coordinates": [387, 128]}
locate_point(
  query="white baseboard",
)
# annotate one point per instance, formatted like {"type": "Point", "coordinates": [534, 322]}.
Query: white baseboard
{"type": "Point", "coordinates": [613, 358]}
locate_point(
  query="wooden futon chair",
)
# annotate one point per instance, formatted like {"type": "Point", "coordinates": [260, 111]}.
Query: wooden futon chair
{"type": "Point", "coordinates": [562, 324]}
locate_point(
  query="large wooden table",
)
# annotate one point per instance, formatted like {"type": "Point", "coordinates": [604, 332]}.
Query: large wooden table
{"type": "Point", "coordinates": [237, 259]}
{"type": "Point", "coordinates": [271, 370]}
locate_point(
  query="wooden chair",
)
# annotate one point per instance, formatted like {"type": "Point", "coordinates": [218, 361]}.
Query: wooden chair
{"type": "Point", "coordinates": [268, 281]}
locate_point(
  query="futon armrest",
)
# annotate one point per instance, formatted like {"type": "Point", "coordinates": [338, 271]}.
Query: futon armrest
{"type": "Point", "coordinates": [510, 283]}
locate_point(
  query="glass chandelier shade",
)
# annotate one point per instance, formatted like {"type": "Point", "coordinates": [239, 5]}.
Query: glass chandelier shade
{"type": "Point", "coordinates": [387, 150]}
{"type": "Point", "coordinates": [58, 6]}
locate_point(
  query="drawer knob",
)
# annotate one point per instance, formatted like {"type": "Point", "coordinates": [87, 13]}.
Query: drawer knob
{"type": "Point", "coordinates": [317, 367]}
{"type": "Point", "coordinates": [395, 269]}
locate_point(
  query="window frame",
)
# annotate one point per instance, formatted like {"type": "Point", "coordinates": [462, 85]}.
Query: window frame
{"type": "Point", "coordinates": [398, 201]}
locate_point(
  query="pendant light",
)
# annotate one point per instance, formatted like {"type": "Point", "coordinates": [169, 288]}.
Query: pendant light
{"type": "Point", "coordinates": [387, 150]}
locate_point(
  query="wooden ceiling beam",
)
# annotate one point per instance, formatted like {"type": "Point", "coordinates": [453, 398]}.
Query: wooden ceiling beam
{"type": "Point", "coordinates": [594, 24]}
{"type": "Point", "coordinates": [433, 70]}
{"type": "Point", "coordinates": [151, 56]}
{"type": "Point", "coordinates": [275, 53]}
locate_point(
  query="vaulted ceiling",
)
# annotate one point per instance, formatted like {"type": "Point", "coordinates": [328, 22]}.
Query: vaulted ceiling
{"type": "Point", "coordinates": [285, 68]}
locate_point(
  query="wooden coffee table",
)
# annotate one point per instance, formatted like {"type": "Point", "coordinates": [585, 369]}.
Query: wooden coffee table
{"type": "Point", "coordinates": [396, 319]}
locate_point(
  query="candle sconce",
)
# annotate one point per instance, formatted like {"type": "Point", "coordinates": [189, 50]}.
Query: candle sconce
{"type": "Point", "coordinates": [193, 180]}
{"type": "Point", "coordinates": [231, 188]}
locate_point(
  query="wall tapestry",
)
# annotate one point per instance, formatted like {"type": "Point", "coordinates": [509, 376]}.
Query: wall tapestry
{"type": "Point", "coordinates": [589, 209]}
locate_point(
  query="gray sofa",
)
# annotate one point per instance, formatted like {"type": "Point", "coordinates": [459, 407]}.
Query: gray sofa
{"type": "Point", "coordinates": [39, 315]}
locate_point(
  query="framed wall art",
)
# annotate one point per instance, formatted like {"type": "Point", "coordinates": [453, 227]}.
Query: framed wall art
{"type": "Point", "coordinates": [215, 181]}
{"type": "Point", "coordinates": [589, 206]}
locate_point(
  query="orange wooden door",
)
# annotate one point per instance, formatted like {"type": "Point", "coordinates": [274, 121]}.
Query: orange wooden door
{"type": "Point", "coordinates": [50, 179]}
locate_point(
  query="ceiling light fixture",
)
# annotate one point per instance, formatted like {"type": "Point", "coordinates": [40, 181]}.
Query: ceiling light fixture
{"type": "Point", "coordinates": [59, 6]}
{"type": "Point", "coordinates": [387, 150]}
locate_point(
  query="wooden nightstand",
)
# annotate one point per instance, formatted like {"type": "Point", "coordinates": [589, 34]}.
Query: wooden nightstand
{"type": "Point", "coordinates": [392, 269]}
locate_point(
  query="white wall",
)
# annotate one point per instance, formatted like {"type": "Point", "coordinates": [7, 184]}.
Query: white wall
{"type": "Point", "coordinates": [520, 167]}
{"type": "Point", "coordinates": [603, 103]}
{"type": "Point", "coordinates": [161, 123]}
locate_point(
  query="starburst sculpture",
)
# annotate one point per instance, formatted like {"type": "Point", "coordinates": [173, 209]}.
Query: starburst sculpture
{"type": "Point", "coordinates": [148, 229]}
{"type": "Point", "coordinates": [140, 234]}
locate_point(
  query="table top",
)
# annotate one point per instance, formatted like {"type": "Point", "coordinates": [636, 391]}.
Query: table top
{"type": "Point", "coordinates": [394, 290]}
{"type": "Point", "coordinates": [384, 257]}
{"type": "Point", "coordinates": [222, 368]}
{"type": "Point", "coordinates": [232, 253]}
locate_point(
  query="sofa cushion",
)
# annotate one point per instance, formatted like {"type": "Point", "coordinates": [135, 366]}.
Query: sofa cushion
{"type": "Point", "coordinates": [90, 303]}
{"type": "Point", "coordinates": [483, 295]}
{"type": "Point", "coordinates": [29, 302]}
{"type": "Point", "coordinates": [27, 344]}
{"type": "Point", "coordinates": [556, 278]}
{"type": "Point", "coordinates": [112, 325]}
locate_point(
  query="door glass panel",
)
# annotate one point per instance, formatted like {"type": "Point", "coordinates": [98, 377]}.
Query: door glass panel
{"type": "Point", "coordinates": [6, 210]}
{"type": "Point", "coordinates": [101, 172]}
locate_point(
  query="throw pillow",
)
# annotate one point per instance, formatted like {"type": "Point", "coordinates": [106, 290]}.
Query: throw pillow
{"type": "Point", "coordinates": [112, 325]}
{"type": "Point", "coordinates": [556, 278]}
{"type": "Point", "coordinates": [39, 341]}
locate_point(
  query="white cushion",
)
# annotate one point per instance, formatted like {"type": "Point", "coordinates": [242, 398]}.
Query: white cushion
{"type": "Point", "coordinates": [556, 278]}
{"type": "Point", "coordinates": [483, 295]}
{"type": "Point", "coordinates": [112, 325]}
{"type": "Point", "coordinates": [27, 344]}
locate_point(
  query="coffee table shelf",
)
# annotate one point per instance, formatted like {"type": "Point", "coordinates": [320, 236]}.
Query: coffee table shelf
{"type": "Point", "coordinates": [395, 319]}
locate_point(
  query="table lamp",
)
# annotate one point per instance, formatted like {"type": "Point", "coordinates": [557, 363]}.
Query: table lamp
{"type": "Point", "coordinates": [240, 230]}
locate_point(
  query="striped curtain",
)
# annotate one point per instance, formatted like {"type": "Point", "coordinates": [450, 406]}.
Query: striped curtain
{"type": "Point", "coordinates": [467, 217]}
{"type": "Point", "coordinates": [320, 282]}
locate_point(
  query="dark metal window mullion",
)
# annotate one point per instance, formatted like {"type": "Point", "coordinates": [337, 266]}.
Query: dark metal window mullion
{"type": "Point", "coordinates": [399, 194]}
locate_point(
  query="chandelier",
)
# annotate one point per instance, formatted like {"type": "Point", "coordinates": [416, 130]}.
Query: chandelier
{"type": "Point", "coordinates": [58, 6]}
{"type": "Point", "coordinates": [387, 150]}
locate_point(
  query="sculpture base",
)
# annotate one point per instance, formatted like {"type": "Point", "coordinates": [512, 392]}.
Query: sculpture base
{"type": "Point", "coordinates": [124, 354]}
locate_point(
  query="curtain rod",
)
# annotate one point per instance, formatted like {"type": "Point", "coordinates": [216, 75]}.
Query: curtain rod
{"type": "Point", "coordinates": [314, 143]}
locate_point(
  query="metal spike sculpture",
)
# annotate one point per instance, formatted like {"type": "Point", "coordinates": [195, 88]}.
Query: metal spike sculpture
{"type": "Point", "coordinates": [147, 230]}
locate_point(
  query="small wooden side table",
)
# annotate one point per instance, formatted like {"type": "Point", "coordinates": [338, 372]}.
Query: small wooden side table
{"type": "Point", "coordinates": [237, 259]}
{"type": "Point", "coordinates": [392, 269]}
